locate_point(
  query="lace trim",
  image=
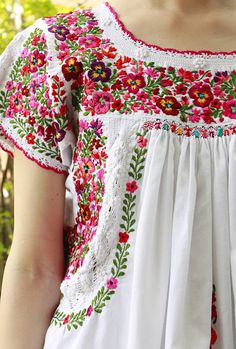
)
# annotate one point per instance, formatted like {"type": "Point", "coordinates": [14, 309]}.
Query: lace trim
{"type": "Point", "coordinates": [128, 45]}
{"type": "Point", "coordinates": [97, 263]}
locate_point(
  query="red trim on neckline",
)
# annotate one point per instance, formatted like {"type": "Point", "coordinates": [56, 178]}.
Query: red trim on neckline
{"type": "Point", "coordinates": [157, 47]}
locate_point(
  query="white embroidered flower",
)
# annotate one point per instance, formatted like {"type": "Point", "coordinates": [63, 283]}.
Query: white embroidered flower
{"type": "Point", "coordinates": [141, 52]}
{"type": "Point", "coordinates": [200, 62]}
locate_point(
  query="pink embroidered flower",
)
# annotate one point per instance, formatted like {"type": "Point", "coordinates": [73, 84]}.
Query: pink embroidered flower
{"type": "Point", "coordinates": [133, 82]}
{"type": "Point", "coordinates": [195, 116]}
{"type": "Point", "coordinates": [112, 283]}
{"type": "Point", "coordinates": [123, 237]}
{"type": "Point", "coordinates": [218, 91]}
{"type": "Point", "coordinates": [101, 102]}
{"type": "Point", "coordinates": [24, 53]}
{"type": "Point", "coordinates": [9, 85]}
{"type": "Point", "coordinates": [9, 113]}
{"type": "Point", "coordinates": [142, 141]}
{"type": "Point", "coordinates": [229, 108]}
{"type": "Point", "coordinates": [89, 41]}
{"type": "Point", "coordinates": [87, 167]}
{"type": "Point", "coordinates": [89, 310]}
{"type": "Point", "coordinates": [16, 102]}
{"type": "Point", "coordinates": [131, 186]}
{"type": "Point", "coordinates": [151, 72]}
{"type": "Point", "coordinates": [201, 94]}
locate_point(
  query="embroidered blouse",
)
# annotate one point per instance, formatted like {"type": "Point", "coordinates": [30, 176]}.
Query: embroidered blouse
{"type": "Point", "coordinates": [146, 137]}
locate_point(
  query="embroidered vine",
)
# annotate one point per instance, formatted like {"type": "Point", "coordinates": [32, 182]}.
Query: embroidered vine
{"type": "Point", "coordinates": [127, 227]}
{"type": "Point", "coordinates": [88, 168]}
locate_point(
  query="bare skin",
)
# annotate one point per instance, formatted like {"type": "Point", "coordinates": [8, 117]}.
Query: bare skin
{"type": "Point", "coordinates": [181, 24]}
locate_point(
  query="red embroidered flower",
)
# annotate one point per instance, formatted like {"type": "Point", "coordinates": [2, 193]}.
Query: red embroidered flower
{"type": "Point", "coordinates": [201, 94]}
{"type": "Point", "coordinates": [66, 320]}
{"type": "Point", "coordinates": [36, 60]}
{"type": "Point", "coordinates": [134, 82]}
{"type": "Point", "coordinates": [213, 336]}
{"type": "Point", "coordinates": [123, 237]}
{"type": "Point", "coordinates": [30, 138]}
{"type": "Point", "coordinates": [72, 69]}
{"type": "Point", "coordinates": [142, 141]}
{"type": "Point", "coordinates": [85, 213]}
{"type": "Point", "coordinates": [180, 89]}
{"type": "Point", "coordinates": [131, 186]}
{"type": "Point", "coordinates": [169, 105]}
{"type": "Point", "coordinates": [117, 104]}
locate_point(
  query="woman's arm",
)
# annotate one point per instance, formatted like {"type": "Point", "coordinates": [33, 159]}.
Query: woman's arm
{"type": "Point", "coordinates": [35, 266]}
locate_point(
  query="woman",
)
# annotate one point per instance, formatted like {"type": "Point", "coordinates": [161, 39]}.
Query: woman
{"type": "Point", "coordinates": [130, 106]}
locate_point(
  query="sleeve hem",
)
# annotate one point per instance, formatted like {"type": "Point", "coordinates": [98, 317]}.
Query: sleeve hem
{"type": "Point", "coordinates": [57, 168]}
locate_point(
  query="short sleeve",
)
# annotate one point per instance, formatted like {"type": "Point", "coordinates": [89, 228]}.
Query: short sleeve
{"type": "Point", "coordinates": [34, 113]}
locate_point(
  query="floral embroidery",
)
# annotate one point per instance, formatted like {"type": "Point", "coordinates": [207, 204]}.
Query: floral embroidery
{"type": "Point", "coordinates": [88, 168]}
{"type": "Point", "coordinates": [113, 82]}
{"type": "Point", "coordinates": [122, 248]}
{"type": "Point", "coordinates": [213, 318]}
{"type": "Point", "coordinates": [36, 116]}
{"type": "Point", "coordinates": [188, 131]}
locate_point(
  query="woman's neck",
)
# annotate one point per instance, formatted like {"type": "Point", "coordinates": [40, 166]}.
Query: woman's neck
{"type": "Point", "coordinates": [180, 6]}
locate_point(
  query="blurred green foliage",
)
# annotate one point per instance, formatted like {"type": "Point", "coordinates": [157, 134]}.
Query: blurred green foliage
{"type": "Point", "coordinates": [27, 11]}
{"type": "Point", "coordinates": [15, 15]}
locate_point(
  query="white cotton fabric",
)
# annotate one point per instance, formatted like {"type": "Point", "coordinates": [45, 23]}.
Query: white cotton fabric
{"type": "Point", "coordinates": [184, 240]}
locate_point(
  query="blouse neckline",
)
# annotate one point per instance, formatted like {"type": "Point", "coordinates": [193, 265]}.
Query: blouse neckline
{"type": "Point", "coordinates": [134, 38]}
{"type": "Point", "coordinates": [126, 44]}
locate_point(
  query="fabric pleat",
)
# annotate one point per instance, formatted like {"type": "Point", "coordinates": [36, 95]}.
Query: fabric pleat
{"type": "Point", "coordinates": [152, 249]}
{"type": "Point", "coordinates": [188, 322]}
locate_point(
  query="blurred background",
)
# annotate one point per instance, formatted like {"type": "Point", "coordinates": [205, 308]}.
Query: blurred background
{"type": "Point", "coordinates": [16, 15]}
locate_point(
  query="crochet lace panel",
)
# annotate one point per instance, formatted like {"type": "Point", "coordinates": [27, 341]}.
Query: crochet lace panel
{"type": "Point", "coordinates": [80, 288]}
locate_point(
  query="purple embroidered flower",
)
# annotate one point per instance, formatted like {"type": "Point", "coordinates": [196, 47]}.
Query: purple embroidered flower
{"type": "Point", "coordinates": [112, 283]}
{"type": "Point", "coordinates": [60, 134]}
{"type": "Point", "coordinates": [97, 126]}
{"type": "Point", "coordinates": [99, 72]}
{"type": "Point", "coordinates": [220, 76]}
{"type": "Point", "coordinates": [60, 31]}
